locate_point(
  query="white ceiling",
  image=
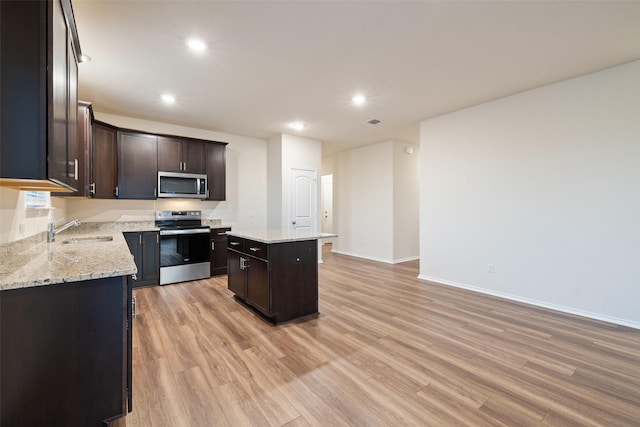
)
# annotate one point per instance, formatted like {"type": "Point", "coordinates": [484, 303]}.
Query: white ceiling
{"type": "Point", "coordinates": [270, 63]}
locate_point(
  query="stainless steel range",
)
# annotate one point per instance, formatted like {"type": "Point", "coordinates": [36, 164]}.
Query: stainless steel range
{"type": "Point", "coordinates": [184, 246]}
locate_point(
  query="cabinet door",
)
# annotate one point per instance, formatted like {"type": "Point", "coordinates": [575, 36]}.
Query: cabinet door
{"type": "Point", "coordinates": [218, 252]}
{"type": "Point", "coordinates": [63, 353]}
{"type": "Point", "coordinates": [151, 257]}
{"type": "Point", "coordinates": [137, 166]}
{"type": "Point", "coordinates": [258, 284]}
{"type": "Point", "coordinates": [169, 154]}
{"type": "Point", "coordinates": [104, 162]}
{"type": "Point", "coordinates": [83, 136]}
{"type": "Point", "coordinates": [73, 146]}
{"type": "Point", "coordinates": [216, 171]}
{"type": "Point", "coordinates": [194, 160]}
{"type": "Point", "coordinates": [134, 242]}
{"type": "Point", "coordinates": [236, 277]}
{"type": "Point", "coordinates": [59, 139]}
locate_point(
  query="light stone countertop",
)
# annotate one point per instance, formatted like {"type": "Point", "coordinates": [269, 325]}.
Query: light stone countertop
{"type": "Point", "coordinates": [34, 262]}
{"type": "Point", "coordinates": [280, 236]}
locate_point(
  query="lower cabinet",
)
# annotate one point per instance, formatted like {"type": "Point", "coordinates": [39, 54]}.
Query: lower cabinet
{"type": "Point", "coordinates": [145, 248]}
{"type": "Point", "coordinates": [280, 280]}
{"type": "Point", "coordinates": [64, 351]}
{"type": "Point", "coordinates": [219, 251]}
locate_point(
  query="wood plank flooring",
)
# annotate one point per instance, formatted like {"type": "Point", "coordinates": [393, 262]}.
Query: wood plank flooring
{"type": "Point", "coordinates": [387, 350]}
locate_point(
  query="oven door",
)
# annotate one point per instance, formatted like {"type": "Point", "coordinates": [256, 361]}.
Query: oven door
{"type": "Point", "coordinates": [184, 246]}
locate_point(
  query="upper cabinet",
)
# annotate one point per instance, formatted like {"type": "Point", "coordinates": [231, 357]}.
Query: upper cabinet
{"type": "Point", "coordinates": [216, 170]}
{"type": "Point", "coordinates": [181, 155]}
{"type": "Point", "coordinates": [104, 161]}
{"type": "Point", "coordinates": [39, 48]}
{"type": "Point", "coordinates": [137, 165]}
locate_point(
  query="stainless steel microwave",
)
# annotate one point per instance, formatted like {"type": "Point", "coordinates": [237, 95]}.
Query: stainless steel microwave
{"type": "Point", "coordinates": [182, 185]}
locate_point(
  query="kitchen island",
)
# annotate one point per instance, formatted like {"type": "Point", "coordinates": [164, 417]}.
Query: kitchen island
{"type": "Point", "coordinates": [275, 271]}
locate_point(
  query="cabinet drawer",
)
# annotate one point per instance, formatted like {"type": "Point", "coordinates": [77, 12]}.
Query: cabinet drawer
{"type": "Point", "coordinates": [219, 233]}
{"type": "Point", "coordinates": [256, 249]}
{"type": "Point", "coordinates": [236, 243]}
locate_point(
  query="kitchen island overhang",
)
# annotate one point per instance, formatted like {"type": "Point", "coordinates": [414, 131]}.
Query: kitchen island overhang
{"type": "Point", "coordinates": [275, 271]}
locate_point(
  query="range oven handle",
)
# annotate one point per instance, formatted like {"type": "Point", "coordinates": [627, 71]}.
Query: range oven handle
{"type": "Point", "coordinates": [187, 231]}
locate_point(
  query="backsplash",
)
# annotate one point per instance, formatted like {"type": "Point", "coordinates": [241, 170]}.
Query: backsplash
{"type": "Point", "coordinates": [19, 222]}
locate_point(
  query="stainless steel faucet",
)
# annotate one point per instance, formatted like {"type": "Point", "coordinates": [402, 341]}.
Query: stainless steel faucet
{"type": "Point", "coordinates": [53, 230]}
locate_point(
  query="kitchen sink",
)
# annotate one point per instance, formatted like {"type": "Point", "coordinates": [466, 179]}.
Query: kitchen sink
{"type": "Point", "coordinates": [88, 239]}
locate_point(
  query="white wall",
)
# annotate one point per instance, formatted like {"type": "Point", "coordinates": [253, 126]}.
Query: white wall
{"type": "Point", "coordinates": [376, 202]}
{"type": "Point", "coordinates": [406, 201]}
{"type": "Point", "coordinates": [246, 163]}
{"type": "Point", "coordinates": [274, 182]}
{"type": "Point", "coordinates": [17, 222]}
{"type": "Point", "coordinates": [544, 185]}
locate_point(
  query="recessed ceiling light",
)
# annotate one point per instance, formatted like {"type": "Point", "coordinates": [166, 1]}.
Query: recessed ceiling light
{"type": "Point", "coordinates": [297, 125]}
{"type": "Point", "coordinates": [359, 99]}
{"type": "Point", "coordinates": [168, 99]}
{"type": "Point", "coordinates": [196, 45]}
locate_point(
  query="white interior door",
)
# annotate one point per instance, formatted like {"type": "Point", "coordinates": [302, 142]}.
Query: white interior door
{"type": "Point", "coordinates": [303, 201]}
{"type": "Point", "coordinates": [327, 205]}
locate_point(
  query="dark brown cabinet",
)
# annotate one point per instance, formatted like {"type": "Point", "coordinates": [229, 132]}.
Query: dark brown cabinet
{"type": "Point", "coordinates": [219, 251]}
{"type": "Point", "coordinates": [137, 165]}
{"type": "Point", "coordinates": [181, 155]}
{"type": "Point", "coordinates": [84, 136]}
{"type": "Point", "coordinates": [280, 280]}
{"type": "Point", "coordinates": [237, 279]}
{"type": "Point", "coordinates": [145, 248]}
{"type": "Point", "coordinates": [64, 351]}
{"type": "Point", "coordinates": [216, 170]}
{"type": "Point", "coordinates": [104, 161]}
{"type": "Point", "coordinates": [39, 48]}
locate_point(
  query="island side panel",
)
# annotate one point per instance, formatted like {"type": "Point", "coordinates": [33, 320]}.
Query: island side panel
{"type": "Point", "coordinates": [293, 276]}
{"type": "Point", "coordinates": [62, 353]}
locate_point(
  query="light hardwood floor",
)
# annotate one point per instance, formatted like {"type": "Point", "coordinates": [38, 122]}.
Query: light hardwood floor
{"type": "Point", "coordinates": [387, 350]}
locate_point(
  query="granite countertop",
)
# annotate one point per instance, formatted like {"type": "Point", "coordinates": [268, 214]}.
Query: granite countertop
{"type": "Point", "coordinates": [34, 262]}
{"type": "Point", "coordinates": [280, 235]}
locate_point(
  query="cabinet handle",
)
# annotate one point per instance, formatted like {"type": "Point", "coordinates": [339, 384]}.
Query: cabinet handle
{"type": "Point", "coordinates": [140, 238]}
{"type": "Point", "coordinates": [117, 195]}
{"type": "Point", "coordinates": [75, 169]}
{"type": "Point", "coordinates": [158, 238]}
{"type": "Point", "coordinates": [184, 166]}
{"type": "Point", "coordinates": [134, 306]}
{"type": "Point", "coordinates": [254, 249]}
{"type": "Point", "coordinates": [234, 243]}
{"type": "Point", "coordinates": [241, 263]}
{"type": "Point", "coordinates": [92, 188]}
{"type": "Point", "coordinates": [155, 191]}
{"type": "Point", "coordinates": [213, 245]}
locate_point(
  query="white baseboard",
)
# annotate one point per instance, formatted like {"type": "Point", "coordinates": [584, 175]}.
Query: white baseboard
{"type": "Point", "coordinates": [386, 261]}
{"type": "Point", "coordinates": [563, 309]}
{"type": "Point", "coordinates": [411, 258]}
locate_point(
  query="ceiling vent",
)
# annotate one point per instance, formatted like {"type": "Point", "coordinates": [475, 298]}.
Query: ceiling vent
{"type": "Point", "coordinates": [373, 121]}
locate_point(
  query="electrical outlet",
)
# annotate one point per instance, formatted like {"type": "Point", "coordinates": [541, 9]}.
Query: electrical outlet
{"type": "Point", "coordinates": [490, 268]}
{"type": "Point", "coordinates": [21, 228]}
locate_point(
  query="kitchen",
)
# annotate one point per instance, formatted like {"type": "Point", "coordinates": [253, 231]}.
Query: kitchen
{"type": "Point", "coordinates": [249, 204]}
